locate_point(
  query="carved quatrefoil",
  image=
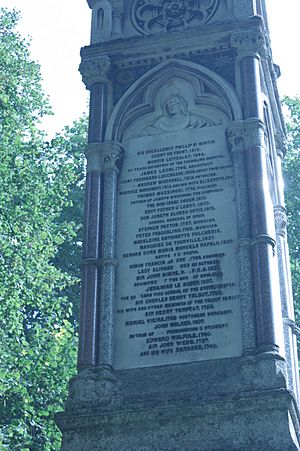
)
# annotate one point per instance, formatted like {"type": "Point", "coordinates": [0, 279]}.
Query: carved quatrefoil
{"type": "Point", "coordinates": [150, 16]}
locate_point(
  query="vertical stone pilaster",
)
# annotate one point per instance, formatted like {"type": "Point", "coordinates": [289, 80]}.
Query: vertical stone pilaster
{"type": "Point", "coordinates": [112, 154]}
{"type": "Point", "coordinates": [235, 134]}
{"type": "Point", "coordinates": [89, 315]}
{"type": "Point", "coordinates": [96, 384]}
{"type": "Point", "coordinates": [117, 14]}
{"type": "Point", "coordinates": [249, 137]}
{"type": "Point", "coordinates": [250, 46]}
{"type": "Point", "coordinates": [98, 104]}
{"type": "Point", "coordinates": [94, 76]}
{"type": "Point", "coordinates": [263, 240]}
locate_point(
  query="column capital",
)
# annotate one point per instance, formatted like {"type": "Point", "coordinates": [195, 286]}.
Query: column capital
{"type": "Point", "coordinates": [93, 153]}
{"type": "Point", "coordinates": [95, 70]}
{"type": "Point", "coordinates": [280, 220]}
{"type": "Point", "coordinates": [250, 43]}
{"type": "Point", "coordinates": [281, 144]}
{"type": "Point", "coordinates": [244, 135]}
{"type": "Point", "coordinates": [112, 155]}
{"type": "Point", "coordinates": [103, 156]}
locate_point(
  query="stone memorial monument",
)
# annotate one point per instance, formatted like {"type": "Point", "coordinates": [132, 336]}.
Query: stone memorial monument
{"type": "Point", "coordinates": [187, 335]}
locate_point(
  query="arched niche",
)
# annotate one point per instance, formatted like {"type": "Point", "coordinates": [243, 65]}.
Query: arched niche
{"type": "Point", "coordinates": [176, 204]}
{"type": "Point", "coordinates": [101, 21]}
{"type": "Point", "coordinates": [205, 92]}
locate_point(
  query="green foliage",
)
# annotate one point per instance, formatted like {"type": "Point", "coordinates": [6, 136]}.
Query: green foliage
{"type": "Point", "coordinates": [72, 142]}
{"type": "Point", "coordinates": [40, 191]}
{"type": "Point", "coordinates": [292, 184]}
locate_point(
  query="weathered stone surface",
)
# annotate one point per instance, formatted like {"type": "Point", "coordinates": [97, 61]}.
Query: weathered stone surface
{"type": "Point", "coordinates": [254, 420]}
{"type": "Point", "coordinates": [187, 338]}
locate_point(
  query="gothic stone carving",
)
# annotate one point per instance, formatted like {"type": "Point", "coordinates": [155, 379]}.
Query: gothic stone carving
{"type": "Point", "coordinates": [243, 135]}
{"type": "Point", "coordinates": [103, 156]}
{"type": "Point", "coordinates": [94, 70]}
{"type": "Point", "coordinates": [123, 76]}
{"type": "Point", "coordinates": [176, 116]}
{"type": "Point", "coordinates": [112, 156]}
{"type": "Point", "coordinates": [280, 220]}
{"type": "Point", "coordinates": [250, 43]}
{"type": "Point", "coordinates": [149, 16]}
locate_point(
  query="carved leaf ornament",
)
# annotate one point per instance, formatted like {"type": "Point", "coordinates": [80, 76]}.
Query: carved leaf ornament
{"type": "Point", "coordinates": [154, 15]}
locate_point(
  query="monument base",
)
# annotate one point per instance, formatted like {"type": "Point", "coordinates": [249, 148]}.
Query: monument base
{"type": "Point", "coordinates": [237, 404]}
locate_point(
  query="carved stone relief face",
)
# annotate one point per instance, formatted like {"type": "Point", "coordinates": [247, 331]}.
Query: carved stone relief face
{"type": "Point", "coordinates": [177, 116]}
{"type": "Point", "coordinates": [175, 109]}
{"type": "Point", "coordinates": [175, 106]}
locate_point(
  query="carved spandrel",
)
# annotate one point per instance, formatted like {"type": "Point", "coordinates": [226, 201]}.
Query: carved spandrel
{"type": "Point", "coordinates": [124, 76]}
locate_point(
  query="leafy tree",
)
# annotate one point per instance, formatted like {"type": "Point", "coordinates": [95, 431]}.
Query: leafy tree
{"type": "Point", "coordinates": [39, 191]}
{"type": "Point", "coordinates": [72, 141]}
{"type": "Point", "coordinates": [292, 184]}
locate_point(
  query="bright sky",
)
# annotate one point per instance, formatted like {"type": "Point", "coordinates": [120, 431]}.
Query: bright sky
{"type": "Point", "coordinates": [60, 27]}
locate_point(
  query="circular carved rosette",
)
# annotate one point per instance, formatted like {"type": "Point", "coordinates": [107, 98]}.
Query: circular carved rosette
{"type": "Point", "coordinates": [150, 16]}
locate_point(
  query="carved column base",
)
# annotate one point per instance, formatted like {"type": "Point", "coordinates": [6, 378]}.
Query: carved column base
{"type": "Point", "coordinates": [94, 388]}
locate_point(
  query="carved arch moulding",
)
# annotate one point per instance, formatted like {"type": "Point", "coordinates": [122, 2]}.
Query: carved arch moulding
{"type": "Point", "coordinates": [202, 97]}
{"type": "Point", "coordinates": [151, 16]}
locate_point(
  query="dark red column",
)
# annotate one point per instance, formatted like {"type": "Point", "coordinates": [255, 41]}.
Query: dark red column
{"type": "Point", "coordinates": [94, 76]}
{"type": "Point", "coordinates": [261, 208]}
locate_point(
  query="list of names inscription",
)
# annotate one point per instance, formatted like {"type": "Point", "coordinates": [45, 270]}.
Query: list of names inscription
{"type": "Point", "coordinates": [177, 297]}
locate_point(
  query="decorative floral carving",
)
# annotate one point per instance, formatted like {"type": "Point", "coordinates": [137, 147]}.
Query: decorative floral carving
{"type": "Point", "coordinates": [153, 15]}
{"type": "Point", "coordinates": [103, 156]}
{"type": "Point", "coordinates": [94, 70]}
{"type": "Point", "coordinates": [281, 144]}
{"type": "Point", "coordinates": [244, 135]}
{"type": "Point", "coordinates": [280, 220]}
{"type": "Point", "coordinates": [112, 156]}
{"type": "Point", "coordinates": [250, 43]}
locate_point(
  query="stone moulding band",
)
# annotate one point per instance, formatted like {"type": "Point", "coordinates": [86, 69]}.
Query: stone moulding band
{"type": "Point", "coordinates": [108, 261]}
{"type": "Point", "coordinates": [247, 242]}
{"type": "Point", "coordinates": [104, 261]}
{"type": "Point", "coordinates": [295, 328]}
{"type": "Point", "coordinates": [265, 239]}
